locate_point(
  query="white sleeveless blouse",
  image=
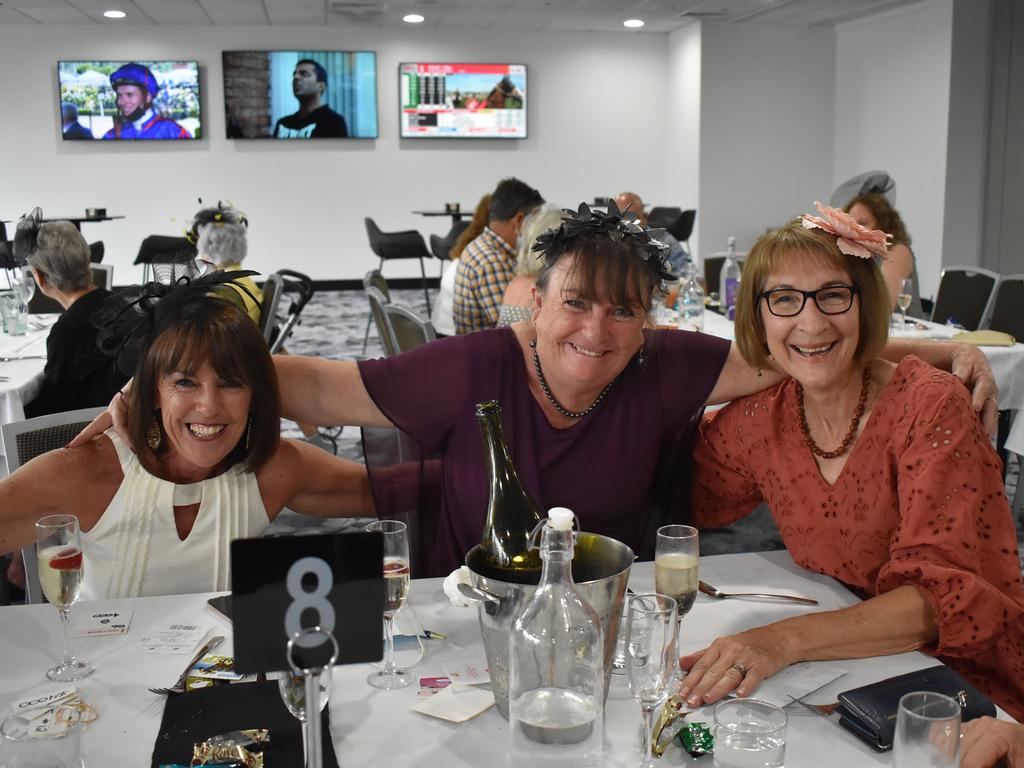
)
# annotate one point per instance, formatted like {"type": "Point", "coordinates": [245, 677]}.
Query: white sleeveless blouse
{"type": "Point", "coordinates": [134, 549]}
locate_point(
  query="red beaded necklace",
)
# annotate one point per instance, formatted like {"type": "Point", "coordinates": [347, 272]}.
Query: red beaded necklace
{"type": "Point", "coordinates": [858, 412]}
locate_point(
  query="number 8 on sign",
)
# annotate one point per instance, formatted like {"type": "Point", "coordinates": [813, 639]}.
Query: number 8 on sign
{"type": "Point", "coordinates": [303, 600]}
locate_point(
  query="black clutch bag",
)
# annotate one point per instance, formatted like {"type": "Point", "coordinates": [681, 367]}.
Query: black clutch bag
{"type": "Point", "coordinates": [869, 712]}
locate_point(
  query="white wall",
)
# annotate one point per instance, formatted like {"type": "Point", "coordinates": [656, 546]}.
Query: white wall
{"type": "Point", "coordinates": [683, 113]}
{"type": "Point", "coordinates": [766, 128]}
{"type": "Point", "coordinates": [892, 112]}
{"type": "Point", "coordinates": [590, 134]}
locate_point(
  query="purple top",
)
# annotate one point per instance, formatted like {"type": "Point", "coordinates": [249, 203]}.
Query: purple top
{"type": "Point", "coordinates": [601, 467]}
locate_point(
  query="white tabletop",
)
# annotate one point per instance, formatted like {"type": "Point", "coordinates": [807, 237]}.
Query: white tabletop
{"type": "Point", "coordinates": [372, 727]}
{"type": "Point", "coordinates": [20, 379]}
{"type": "Point", "coordinates": [1007, 365]}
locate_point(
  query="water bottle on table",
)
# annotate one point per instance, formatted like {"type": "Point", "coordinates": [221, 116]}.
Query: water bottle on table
{"type": "Point", "coordinates": [729, 282]}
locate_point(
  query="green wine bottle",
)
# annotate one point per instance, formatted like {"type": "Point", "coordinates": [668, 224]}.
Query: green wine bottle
{"type": "Point", "coordinates": [511, 513]}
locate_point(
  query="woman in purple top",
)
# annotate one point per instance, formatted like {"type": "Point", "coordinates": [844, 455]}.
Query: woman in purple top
{"type": "Point", "coordinates": [590, 397]}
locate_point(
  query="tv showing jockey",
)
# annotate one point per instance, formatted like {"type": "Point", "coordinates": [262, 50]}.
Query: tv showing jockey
{"type": "Point", "coordinates": [136, 88]}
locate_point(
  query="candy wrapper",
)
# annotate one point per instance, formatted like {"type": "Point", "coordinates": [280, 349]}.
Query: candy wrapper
{"type": "Point", "coordinates": [696, 739]}
{"type": "Point", "coordinates": [237, 748]}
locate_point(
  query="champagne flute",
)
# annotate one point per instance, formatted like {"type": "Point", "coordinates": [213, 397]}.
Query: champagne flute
{"type": "Point", "coordinates": [904, 297]}
{"type": "Point", "coordinates": [650, 658]}
{"type": "Point", "coordinates": [676, 561]}
{"type": "Point", "coordinates": [396, 587]}
{"type": "Point", "coordinates": [59, 559]}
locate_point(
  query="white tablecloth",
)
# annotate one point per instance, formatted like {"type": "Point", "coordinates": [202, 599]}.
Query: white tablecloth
{"type": "Point", "coordinates": [1007, 366]}
{"type": "Point", "coordinates": [371, 727]}
{"type": "Point", "coordinates": [23, 377]}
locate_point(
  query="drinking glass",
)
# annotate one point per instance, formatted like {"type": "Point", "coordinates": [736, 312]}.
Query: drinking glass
{"type": "Point", "coordinates": [904, 297]}
{"type": "Point", "coordinates": [650, 658]}
{"type": "Point", "coordinates": [749, 733]}
{"type": "Point", "coordinates": [59, 559]}
{"type": "Point", "coordinates": [676, 559]}
{"type": "Point", "coordinates": [396, 587]}
{"type": "Point", "coordinates": [927, 731]}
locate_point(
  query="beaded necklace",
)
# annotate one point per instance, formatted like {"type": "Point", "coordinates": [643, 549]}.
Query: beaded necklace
{"type": "Point", "coordinates": [551, 398]}
{"type": "Point", "coordinates": [858, 412]}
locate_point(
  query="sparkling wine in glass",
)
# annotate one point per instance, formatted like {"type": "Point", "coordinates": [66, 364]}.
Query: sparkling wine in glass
{"type": "Point", "coordinates": [676, 565]}
{"type": "Point", "coordinates": [904, 297]}
{"type": "Point", "coordinates": [650, 658]}
{"type": "Point", "coordinates": [396, 587]}
{"type": "Point", "coordinates": [60, 563]}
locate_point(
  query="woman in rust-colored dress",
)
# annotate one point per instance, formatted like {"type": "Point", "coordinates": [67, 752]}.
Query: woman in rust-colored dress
{"type": "Point", "coordinates": [877, 474]}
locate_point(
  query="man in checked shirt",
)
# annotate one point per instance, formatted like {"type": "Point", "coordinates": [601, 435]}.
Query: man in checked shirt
{"type": "Point", "coordinates": [488, 263]}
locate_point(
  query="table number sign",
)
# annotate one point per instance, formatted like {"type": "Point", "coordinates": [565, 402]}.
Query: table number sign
{"type": "Point", "coordinates": [283, 584]}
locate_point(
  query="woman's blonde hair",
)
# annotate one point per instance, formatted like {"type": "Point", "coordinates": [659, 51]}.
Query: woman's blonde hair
{"type": "Point", "coordinates": [772, 252]}
{"type": "Point", "coordinates": [539, 221]}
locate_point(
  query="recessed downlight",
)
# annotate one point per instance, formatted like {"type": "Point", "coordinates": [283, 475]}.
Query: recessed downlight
{"type": "Point", "coordinates": [633, 23]}
{"type": "Point", "coordinates": [112, 14]}
{"type": "Point", "coordinates": [412, 18]}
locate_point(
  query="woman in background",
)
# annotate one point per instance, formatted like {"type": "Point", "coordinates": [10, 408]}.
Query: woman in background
{"type": "Point", "coordinates": [220, 236]}
{"type": "Point", "coordinates": [517, 303]}
{"type": "Point", "coordinates": [874, 211]}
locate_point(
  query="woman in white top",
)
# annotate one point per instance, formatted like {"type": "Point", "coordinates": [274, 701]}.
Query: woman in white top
{"type": "Point", "coordinates": [209, 465]}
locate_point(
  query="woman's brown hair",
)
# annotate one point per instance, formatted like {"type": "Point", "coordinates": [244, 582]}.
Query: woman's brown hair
{"type": "Point", "coordinates": [476, 226]}
{"type": "Point", "coordinates": [208, 328]}
{"type": "Point", "coordinates": [887, 218]}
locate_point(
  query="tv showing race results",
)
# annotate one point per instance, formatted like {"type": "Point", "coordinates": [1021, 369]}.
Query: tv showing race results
{"type": "Point", "coordinates": [458, 101]}
{"type": "Point", "coordinates": [300, 94]}
{"type": "Point", "coordinates": [129, 100]}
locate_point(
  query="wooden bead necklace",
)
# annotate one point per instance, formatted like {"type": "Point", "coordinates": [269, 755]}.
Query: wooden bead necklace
{"type": "Point", "coordinates": [858, 412]}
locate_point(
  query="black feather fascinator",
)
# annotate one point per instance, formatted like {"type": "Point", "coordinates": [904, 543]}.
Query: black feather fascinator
{"type": "Point", "coordinates": [26, 236]}
{"type": "Point", "coordinates": [132, 318]}
{"type": "Point", "coordinates": [588, 224]}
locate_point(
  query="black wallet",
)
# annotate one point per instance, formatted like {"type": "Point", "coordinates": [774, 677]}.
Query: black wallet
{"type": "Point", "coordinates": [869, 712]}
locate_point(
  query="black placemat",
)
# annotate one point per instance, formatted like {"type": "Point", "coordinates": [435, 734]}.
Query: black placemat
{"type": "Point", "coordinates": [197, 715]}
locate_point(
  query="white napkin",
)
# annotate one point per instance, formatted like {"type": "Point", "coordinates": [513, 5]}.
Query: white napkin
{"type": "Point", "coordinates": [456, 703]}
{"type": "Point", "coordinates": [451, 586]}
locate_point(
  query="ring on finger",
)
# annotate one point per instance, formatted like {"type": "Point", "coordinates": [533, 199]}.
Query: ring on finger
{"type": "Point", "coordinates": [741, 669]}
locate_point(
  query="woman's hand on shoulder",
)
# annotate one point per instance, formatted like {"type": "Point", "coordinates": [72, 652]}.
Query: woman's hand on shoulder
{"type": "Point", "coordinates": [969, 364]}
{"type": "Point", "coordinates": [987, 742]}
{"type": "Point", "coordinates": [737, 662]}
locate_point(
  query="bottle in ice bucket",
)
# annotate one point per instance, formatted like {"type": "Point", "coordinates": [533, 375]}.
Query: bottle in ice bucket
{"type": "Point", "coordinates": [556, 664]}
{"type": "Point", "coordinates": [511, 513]}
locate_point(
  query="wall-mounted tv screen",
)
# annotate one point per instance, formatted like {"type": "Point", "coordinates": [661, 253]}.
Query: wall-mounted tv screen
{"type": "Point", "coordinates": [129, 99]}
{"type": "Point", "coordinates": [455, 101]}
{"type": "Point", "coordinates": [300, 94]}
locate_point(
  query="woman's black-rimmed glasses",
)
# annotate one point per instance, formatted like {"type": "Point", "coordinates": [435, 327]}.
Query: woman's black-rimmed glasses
{"type": "Point", "coordinates": [788, 302]}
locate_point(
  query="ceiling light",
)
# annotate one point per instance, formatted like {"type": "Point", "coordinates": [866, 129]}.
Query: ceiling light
{"type": "Point", "coordinates": [412, 18]}
{"type": "Point", "coordinates": [633, 23]}
{"type": "Point", "coordinates": [114, 14]}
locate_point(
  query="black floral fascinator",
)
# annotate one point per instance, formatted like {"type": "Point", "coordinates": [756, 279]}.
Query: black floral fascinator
{"type": "Point", "coordinates": [588, 224]}
{"type": "Point", "coordinates": [132, 318]}
{"type": "Point", "coordinates": [26, 237]}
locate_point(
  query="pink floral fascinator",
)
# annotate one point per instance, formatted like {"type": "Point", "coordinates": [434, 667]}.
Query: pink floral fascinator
{"type": "Point", "coordinates": [853, 239]}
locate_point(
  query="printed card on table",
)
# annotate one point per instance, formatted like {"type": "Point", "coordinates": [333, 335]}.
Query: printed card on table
{"type": "Point", "coordinates": [471, 670]}
{"type": "Point", "coordinates": [103, 623]}
{"type": "Point", "coordinates": [176, 639]}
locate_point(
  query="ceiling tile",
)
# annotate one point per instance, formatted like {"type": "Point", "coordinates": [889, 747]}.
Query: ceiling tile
{"type": "Point", "coordinates": [14, 16]}
{"type": "Point", "coordinates": [64, 14]}
{"type": "Point", "coordinates": [241, 12]}
{"type": "Point", "coordinates": [174, 11]}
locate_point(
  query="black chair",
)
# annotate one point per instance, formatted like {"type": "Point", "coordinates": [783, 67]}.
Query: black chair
{"type": "Point", "coordinates": [408, 330]}
{"type": "Point", "coordinates": [1007, 314]}
{"type": "Point", "coordinates": [102, 275]}
{"type": "Point", "coordinates": [682, 228]}
{"type": "Point", "coordinates": [663, 216]}
{"type": "Point", "coordinates": [442, 246]}
{"type": "Point", "coordinates": [964, 295]}
{"type": "Point", "coordinates": [96, 251]}
{"type": "Point", "coordinates": [713, 270]}
{"type": "Point", "coordinates": [162, 249]}
{"type": "Point", "coordinates": [375, 279]}
{"type": "Point", "coordinates": [377, 303]}
{"type": "Point", "coordinates": [294, 291]}
{"type": "Point", "coordinates": [407, 244]}
{"type": "Point", "coordinates": [23, 441]}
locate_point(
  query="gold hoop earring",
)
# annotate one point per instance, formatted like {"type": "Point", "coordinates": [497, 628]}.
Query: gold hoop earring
{"type": "Point", "coordinates": [154, 437]}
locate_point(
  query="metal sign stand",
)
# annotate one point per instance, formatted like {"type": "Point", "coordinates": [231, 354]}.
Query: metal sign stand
{"type": "Point", "coordinates": [312, 739]}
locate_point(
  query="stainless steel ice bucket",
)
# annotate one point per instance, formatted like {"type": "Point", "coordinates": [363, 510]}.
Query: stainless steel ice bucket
{"type": "Point", "coordinates": [600, 568]}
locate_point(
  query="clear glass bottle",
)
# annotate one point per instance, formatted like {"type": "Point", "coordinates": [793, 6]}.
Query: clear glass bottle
{"type": "Point", "coordinates": [729, 286]}
{"type": "Point", "coordinates": [691, 301]}
{"type": "Point", "coordinates": [511, 513]}
{"type": "Point", "coordinates": [556, 664]}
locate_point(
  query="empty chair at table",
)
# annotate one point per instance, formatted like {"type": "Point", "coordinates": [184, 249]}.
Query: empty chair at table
{"type": "Point", "coordinates": [964, 295]}
{"type": "Point", "coordinates": [407, 244]}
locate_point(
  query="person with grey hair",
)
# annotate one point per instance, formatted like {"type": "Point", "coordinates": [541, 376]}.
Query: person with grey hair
{"type": "Point", "coordinates": [517, 303]}
{"type": "Point", "coordinates": [77, 374]}
{"type": "Point", "coordinates": [220, 235]}
{"type": "Point", "coordinates": [72, 129]}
